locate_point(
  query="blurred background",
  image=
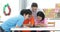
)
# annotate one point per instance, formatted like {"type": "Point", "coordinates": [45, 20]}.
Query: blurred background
{"type": "Point", "coordinates": [51, 9]}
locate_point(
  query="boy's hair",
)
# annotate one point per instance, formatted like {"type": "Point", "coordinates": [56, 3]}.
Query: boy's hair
{"type": "Point", "coordinates": [34, 5]}
{"type": "Point", "coordinates": [25, 11]}
{"type": "Point", "coordinates": [41, 14]}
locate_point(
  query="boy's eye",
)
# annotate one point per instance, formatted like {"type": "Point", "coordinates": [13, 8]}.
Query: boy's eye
{"type": "Point", "coordinates": [29, 16]}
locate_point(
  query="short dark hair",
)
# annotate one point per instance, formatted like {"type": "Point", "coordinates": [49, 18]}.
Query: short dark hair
{"type": "Point", "coordinates": [34, 5]}
{"type": "Point", "coordinates": [25, 11]}
{"type": "Point", "coordinates": [41, 14]}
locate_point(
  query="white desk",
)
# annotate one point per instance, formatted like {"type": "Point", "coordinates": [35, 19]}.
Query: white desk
{"type": "Point", "coordinates": [57, 27]}
{"type": "Point", "coordinates": [41, 28]}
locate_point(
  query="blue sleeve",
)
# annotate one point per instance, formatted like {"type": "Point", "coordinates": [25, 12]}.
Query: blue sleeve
{"type": "Point", "coordinates": [10, 20]}
{"type": "Point", "coordinates": [20, 21]}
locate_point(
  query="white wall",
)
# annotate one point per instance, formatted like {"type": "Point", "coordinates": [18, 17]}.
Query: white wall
{"type": "Point", "coordinates": [14, 5]}
{"type": "Point", "coordinates": [43, 3]}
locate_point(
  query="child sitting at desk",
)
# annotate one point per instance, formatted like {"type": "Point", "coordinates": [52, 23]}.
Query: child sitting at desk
{"type": "Point", "coordinates": [28, 23]}
{"type": "Point", "coordinates": [40, 21]}
{"type": "Point", "coordinates": [15, 21]}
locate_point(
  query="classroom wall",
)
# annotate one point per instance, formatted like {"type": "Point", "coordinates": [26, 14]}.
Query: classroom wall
{"type": "Point", "coordinates": [14, 5]}
{"type": "Point", "coordinates": [43, 3]}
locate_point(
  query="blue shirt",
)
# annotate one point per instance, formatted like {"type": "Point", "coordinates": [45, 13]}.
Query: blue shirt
{"type": "Point", "coordinates": [12, 22]}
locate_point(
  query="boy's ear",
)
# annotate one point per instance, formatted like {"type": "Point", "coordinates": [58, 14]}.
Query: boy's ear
{"type": "Point", "coordinates": [24, 14]}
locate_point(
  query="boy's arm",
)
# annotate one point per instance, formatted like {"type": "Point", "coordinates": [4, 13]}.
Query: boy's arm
{"type": "Point", "coordinates": [27, 25]}
{"type": "Point", "coordinates": [19, 23]}
{"type": "Point", "coordinates": [32, 23]}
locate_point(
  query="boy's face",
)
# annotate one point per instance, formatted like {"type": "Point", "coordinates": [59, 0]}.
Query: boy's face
{"type": "Point", "coordinates": [27, 16]}
{"type": "Point", "coordinates": [39, 18]}
{"type": "Point", "coordinates": [34, 8]}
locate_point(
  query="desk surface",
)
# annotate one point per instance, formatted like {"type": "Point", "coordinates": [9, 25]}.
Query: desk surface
{"type": "Point", "coordinates": [57, 22]}
{"type": "Point", "coordinates": [57, 27]}
{"type": "Point", "coordinates": [41, 28]}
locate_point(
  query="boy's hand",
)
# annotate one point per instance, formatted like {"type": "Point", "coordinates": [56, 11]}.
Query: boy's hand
{"type": "Point", "coordinates": [27, 25]}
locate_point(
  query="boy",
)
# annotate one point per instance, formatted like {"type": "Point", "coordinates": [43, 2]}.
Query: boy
{"type": "Point", "coordinates": [15, 21]}
{"type": "Point", "coordinates": [28, 23]}
{"type": "Point", "coordinates": [34, 8]}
